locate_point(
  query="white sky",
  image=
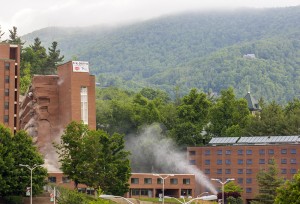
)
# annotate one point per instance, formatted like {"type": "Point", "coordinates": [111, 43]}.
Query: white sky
{"type": "Point", "coordinates": [30, 15]}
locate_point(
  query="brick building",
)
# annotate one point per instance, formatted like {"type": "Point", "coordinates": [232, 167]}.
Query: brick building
{"type": "Point", "coordinates": [53, 101]}
{"type": "Point", "coordinates": [9, 85]}
{"type": "Point", "coordinates": [242, 158]}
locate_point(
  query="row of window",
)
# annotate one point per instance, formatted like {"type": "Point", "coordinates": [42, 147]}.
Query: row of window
{"type": "Point", "coordinates": [248, 152]}
{"type": "Point", "coordinates": [52, 179]}
{"type": "Point", "coordinates": [249, 161]}
{"type": "Point", "coordinates": [248, 171]}
{"type": "Point", "coordinates": [185, 181]}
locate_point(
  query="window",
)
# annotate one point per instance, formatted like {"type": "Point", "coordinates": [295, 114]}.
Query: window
{"type": "Point", "coordinates": [159, 181]}
{"type": "Point", "coordinates": [192, 162]}
{"type": "Point", "coordinates": [249, 151]}
{"type": "Point", "coordinates": [293, 171]}
{"type": "Point", "coordinates": [227, 161]}
{"type": "Point", "coordinates": [135, 192]}
{"type": "Point", "coordinates": [174, 181]}
{"type": "Point", "coordinates": [240, 180]}
{"type": "Point", "coordinates": [293, 151]}
{"type": "Point", "coordinates": [84, 104]}
{"type": "Point", "coordinates": [283, 151]}
{"type": "Point", "coordinates": [6, 92]}
{"type": "Point", "coordinates": [6, 119]}
{"type": "Point", "coordinates": [6, 105]}
{"type": "Point", "coordinates": [228, 152]}
{"type": "Point", "coordinates": [207, 152]}
{"type": "Point", "coordinates": [146, 192]}
{"type": "Point", "coordinates": [52, 179]}
{"type": "Point", "coordinates": [293, 161]}
{"type": "Point", "coordinates": [271, 151]}
{"type": "Point", "coordinates": [186, 181]}
{"type": "Point", "coordinates": [248, 171]}
{"type": "Point", "coordinates": [219, 171]}
{"type": "Point", "coordinates": [283, 171]}
{"type": "Point", "coordinates": [271, 161]}
{"type": "Point", "coordinates": [134, 180]}
{"type": "Point", "coordinates": [207, 162]}
{"type": "Point", "coordinates": [240, 171]}
{"type": "Point", "coordinates": [240, 161]}
{"type": "Point", "coordinates": [192, 153]}
{"type": "Point", "coordinates": [249, 161]}
{"type": "Point", "coordinates": [248, 190]}
{"type": "Point", "coordinates": [240, 152]}
{"type": "Point", "coordinates": [7, 65]}
{"type": "Point", "coordinates": [283, 161]}
{"type": "Point", "coordinates": [261, 161]}
{"type": "Point", "coordinates": [66, 179]}
{"type": "Point", "coordinates": [6, 79]}
{"type": "Point", "coordinates": [186, 192]}
{"type": "Point", "coordinates": [207, 171]}
{"type": "Point", "coordinates": [147, 181]}
{"type": "Point", "coordinates": [219, 152]}
{"type": "Point", "coordinates": [249, 180]}
{"type": "Point", "coordinates": [261, 151]}
{"type": "Point", "coordinates": [219, 161]}
{"type": "Point", "coordinates": [227, 171]}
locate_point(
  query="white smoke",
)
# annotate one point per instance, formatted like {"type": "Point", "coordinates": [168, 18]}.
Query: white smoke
{"type": "Point", "coordinates": [154, 153]}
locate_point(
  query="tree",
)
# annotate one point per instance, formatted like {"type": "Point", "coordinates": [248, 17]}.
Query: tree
{"type": "Point", "coordinates": [14, 38]}
{"type": "Point", "coordinates": [289, 192]}
{"type": "Point", "coordinates": [53, 59]}
{"type": "Point", "coordinates": [25, 80]}
{"type": "Point", "coordinates": [268, 182]}
{"type": "Point", "coordinates": [1, 34]}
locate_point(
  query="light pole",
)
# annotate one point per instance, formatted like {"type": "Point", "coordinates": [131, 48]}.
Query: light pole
{"type": "Point", "coordinates": [163, 189]}
{"type": "Point", "coordinates": [223, 183]}
{"type": "Point", "coordinates": [31, 169]}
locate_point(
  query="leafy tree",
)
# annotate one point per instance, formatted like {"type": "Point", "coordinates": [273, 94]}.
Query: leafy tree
{"type": "Point", "coordinates": [25, 80]}
{"type": "Point", "coordinates": [268, 182]}
{"type": "Point", "coordinates": [14, 38]}
{"type": "Point", "coordinates": [1, 34]}
{"type": "Point", "coordinates": [53, 59]}
{"type": "Point", "coordinates": [151, 94]}
{"type": "Point", "coordinates": [232, 187]}
{"type": "Point", "coordinates": [289, 192]}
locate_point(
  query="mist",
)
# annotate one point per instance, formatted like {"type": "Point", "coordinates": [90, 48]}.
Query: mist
{"type": "Point", "coordinates": [152, 152]}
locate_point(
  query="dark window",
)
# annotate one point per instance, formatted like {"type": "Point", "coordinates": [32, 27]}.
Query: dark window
{"type": "Point", "coordinates": [240, 180]}
{"type": "Point", "coordinates": [249, 180]}
{"type": "Point", "coordinates": [248, 171]}
{"type": "Point", "coordinates": [249, 161]}
{"type": "Point", "coordinates": [227, 161]}
{"type": "Point", "coordinates": [159, 181]}
{"type": "Point", "coordinates": [283, 161]}
{"type": "Point", "coordinates": [207, 162]}
{"type": "Point", "coordinates": [240, 171]}
{"type": "Point", "coordinates": [249, 151]}
{"type": "Point", "coordinates": [219, 152]}
{"type": "Point", "coordinates": [271, 151]}
{"type": "Point", "coordinates": [207, 152]}
{"type": "Point", "coordinates": [240, 161]}
{"type": "Point", "coordinates": [6, 105]}
{"type": "Point", "coordinates": [207, 171]}
{"type": "Point", "coordinates": [52, 179]}
{"type": "Point", "coordinates": [66, 179]}
{"type": "Point", "coordinates": [228, 152]}
{"type": "Point", "coordinates": [147, 181]}
{"type": "Point", "coordinates": [135, 192]}
{"type": "Point", "coordinates": [283, 171]}
{"type": "Point", "coordinates": [192, 153]}
{"type": "Point", "coordinates": [240, 152]}
{"type": "Point", "coordinates": [6, 119]}
{"type": "Point", "coordinates": [135, 180]}
{"type": "Point", "coordinates": [6, 92]}
{"type": "Point", "coordinates": [219, 171]}
{"type": "Point", "coordinates": [219, 161]}
{"type": "Point", "coordinates": [174, 181]}
{"type": "Point", "coordinates": [186, 181]}
{"type": "Point", "coordinates": [261, 161]}
{"type": "Point", "coordinates": [7, 65]}
{"type": "Point", "coordinates": [293, 171]}
{"type": "Point", "coordinates": [227, 171]}
{"type": "Point", "coordinates": [293, 151]}
{"type": "Point", "coordinates": [248, 190]}
{"type": "Point", "coordinates": [293, 161]}
{"type": "Point", "coordinates": [261, 151]}
{"type": "Point", "coordinates": [192, 162]}
{"type": "Point", "coordinates": [146, 192]}
{"type": "Point", "coordinates": [6, 79]}
{"type": "Point", "coordinates": [283, 151]}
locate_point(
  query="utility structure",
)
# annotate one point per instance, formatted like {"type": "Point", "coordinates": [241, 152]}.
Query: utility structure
{"type": "Point", "coordinates": [223, 183]}
{"type": "Point", "coordinates": [31, 169]}
{"type": "Point", "coordinates": [163, 182]}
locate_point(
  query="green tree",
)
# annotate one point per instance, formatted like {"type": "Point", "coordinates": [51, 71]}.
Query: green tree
{"type": "Point", "coordinates": [14, 38]}
{"type": "Point", "coordinates": [53, 59]}
{"type": "Point", "coordinates": [1, 34]}
{"type": "Point", "coordinates": [289, 192]}
{"type": "Point", "coordinates": [268, 181]}
{"type": "Point", "coordinates": [232, 187]}
{"type": "Point", "coordinates": [25, 80]}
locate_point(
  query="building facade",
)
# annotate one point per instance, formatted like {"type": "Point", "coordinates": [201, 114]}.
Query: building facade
{"type": "Point", "coordinates": [9, 85]}
{"type": "Point", "coordinates": [53, 101]}
{"type": "Point", "coordinates": [242, 158]}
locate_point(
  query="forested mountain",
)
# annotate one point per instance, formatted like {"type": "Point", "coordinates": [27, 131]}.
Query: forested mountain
{"type": "Point", "coordinates": [201, 49]}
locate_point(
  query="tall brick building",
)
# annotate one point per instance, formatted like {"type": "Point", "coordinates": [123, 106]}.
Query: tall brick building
{"type": "Point", "coordinates": [53, 101]}
{"type": "Point", "coordinates": [9, 85]}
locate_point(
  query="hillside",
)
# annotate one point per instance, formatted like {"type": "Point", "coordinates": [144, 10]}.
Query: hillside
{"type": "Point", "coordinates": [203, 50]}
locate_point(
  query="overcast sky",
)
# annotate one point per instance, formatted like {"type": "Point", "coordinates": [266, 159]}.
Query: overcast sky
{"type": "Point", "coordinates": [30, 15]}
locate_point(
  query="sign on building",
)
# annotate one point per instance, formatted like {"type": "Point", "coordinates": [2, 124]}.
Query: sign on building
{"type": "Point", "coordinates": [80, 66]}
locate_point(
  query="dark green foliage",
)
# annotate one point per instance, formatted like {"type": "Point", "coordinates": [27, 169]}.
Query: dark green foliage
{"type": "Point", "coordinates": [14, 38]}
{"type": "Point", "coordinates": [13, 199]}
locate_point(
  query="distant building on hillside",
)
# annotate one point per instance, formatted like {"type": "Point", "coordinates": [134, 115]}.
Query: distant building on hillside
{"type": "Point", "coordinates": [249, 56]}
{"type": "Point", "coordinates": [253, 104]}
{"type": "Point", "coordinates": [9, 85]}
